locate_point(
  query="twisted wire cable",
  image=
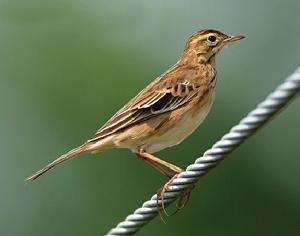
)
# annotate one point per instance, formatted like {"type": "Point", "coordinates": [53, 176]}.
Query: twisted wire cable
{"type": "Point", "coordinates": [213, 156]}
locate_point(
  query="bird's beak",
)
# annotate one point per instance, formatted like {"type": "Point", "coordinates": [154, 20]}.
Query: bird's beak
{"type": "Point", "coordinates": [231, 39]}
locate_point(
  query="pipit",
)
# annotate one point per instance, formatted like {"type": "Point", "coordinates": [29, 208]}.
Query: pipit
{"type": "Point", "coordinates": [165, 112]}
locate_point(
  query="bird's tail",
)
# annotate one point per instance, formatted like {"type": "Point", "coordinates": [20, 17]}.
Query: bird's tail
{"type": "Point", "coordinates": [74, 152]}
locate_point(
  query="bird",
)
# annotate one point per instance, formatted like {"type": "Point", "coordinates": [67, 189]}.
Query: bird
{"type": "Point", "coordinates": [166, 111]}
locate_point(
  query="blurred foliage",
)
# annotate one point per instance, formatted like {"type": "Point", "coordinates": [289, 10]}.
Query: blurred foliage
{"type": "Point", "coordinates": [67, 65]}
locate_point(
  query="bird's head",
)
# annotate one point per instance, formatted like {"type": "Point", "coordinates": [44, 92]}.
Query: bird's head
{"type": "Point", "coordinates": [204, 45]}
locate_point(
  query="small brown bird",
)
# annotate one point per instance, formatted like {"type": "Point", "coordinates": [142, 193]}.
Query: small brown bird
{"type": "Point", "coordinates": [167, 111]}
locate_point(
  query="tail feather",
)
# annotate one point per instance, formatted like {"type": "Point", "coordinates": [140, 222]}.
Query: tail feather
{"type": "Point", "coordinates": [72, 153]}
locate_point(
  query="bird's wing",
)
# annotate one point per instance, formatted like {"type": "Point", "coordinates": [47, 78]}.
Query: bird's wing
{"type": "Point", "coordinates": [162, 95]}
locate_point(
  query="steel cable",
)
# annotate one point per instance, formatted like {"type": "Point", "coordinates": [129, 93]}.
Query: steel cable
{"type": "Point", "coordinates": [213, 156]}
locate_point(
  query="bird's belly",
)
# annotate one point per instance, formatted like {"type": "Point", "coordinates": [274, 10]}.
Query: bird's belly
{"type": "Point", "coordinates": [165, 130]}
{"type": "Point", "coordinates": [178, 128]}
{"type": "Point", "coordinates": [185, 126]}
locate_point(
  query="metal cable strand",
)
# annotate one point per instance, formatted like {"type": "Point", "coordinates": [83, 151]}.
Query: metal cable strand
{"type": "Point", "coordinates": [212, 157]}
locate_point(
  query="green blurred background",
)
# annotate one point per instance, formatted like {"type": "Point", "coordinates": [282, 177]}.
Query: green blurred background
{"type": "Point", "coordinates": [67, 66]}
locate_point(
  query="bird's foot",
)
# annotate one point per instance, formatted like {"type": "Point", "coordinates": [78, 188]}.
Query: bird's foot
{"type": "Point", "coordinates": [183, 198]}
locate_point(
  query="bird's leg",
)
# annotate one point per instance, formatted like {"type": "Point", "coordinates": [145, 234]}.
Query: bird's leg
{"type": "Point", "coordinates": [183, 195]}
{"type": "Point", "coordinates": [161, 193]}
{"type": "Point", "coordinates": [186, 194]}
{"type": "Point", "coordinates": [151, 159]}
{"type": "Point", "coordinates": [155, 166]}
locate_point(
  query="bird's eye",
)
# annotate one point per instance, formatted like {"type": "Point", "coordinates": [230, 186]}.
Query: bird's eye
{"type": "Point", "coordinates": [212, 38]}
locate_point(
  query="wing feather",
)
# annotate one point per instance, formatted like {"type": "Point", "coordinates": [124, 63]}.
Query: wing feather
{"type": "Point", "coordinates": [148, 104]}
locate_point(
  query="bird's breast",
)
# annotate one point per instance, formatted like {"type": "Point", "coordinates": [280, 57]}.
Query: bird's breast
{"type": "Point", "coordinates": [178, 125]}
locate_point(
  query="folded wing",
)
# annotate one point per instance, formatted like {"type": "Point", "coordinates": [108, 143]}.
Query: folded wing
{"type": "Point", "coordinates": [148, 104]}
